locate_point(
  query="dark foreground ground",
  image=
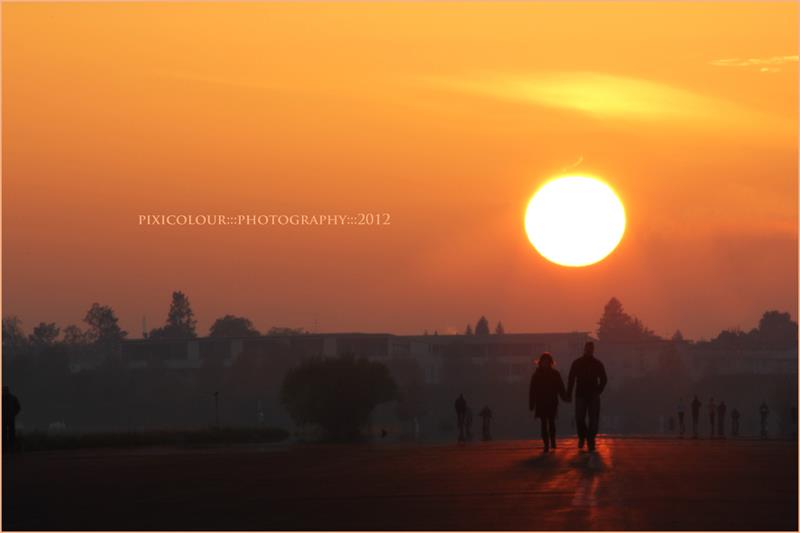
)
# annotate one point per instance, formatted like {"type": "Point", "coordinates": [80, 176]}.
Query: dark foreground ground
{"type": "Point", "coordinates": [640, 484]}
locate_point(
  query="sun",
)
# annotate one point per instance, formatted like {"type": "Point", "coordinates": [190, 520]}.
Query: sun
{"type": "Point", "coordinates": [575, 221]}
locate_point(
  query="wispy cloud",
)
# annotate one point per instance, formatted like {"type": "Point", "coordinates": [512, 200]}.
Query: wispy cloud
{"type": "Point", "coordinates": [603, 96]}
{"type": "Point", "coordinates": [761, 64]}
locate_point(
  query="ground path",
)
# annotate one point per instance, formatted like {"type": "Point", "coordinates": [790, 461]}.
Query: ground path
{"type": "Point", "coordinates": [629, 483]}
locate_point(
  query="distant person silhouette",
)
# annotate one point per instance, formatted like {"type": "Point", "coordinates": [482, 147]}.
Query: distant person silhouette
{"type": "Point", "coordinates": [735, 422]}
{"type": "Point", "coordinates": [11, 409]}
{"type": "Point", "coordinates": [712, 414]}
{"type": "Point", "coordinates": [721, 420]}
{"type": "Point", "coordinates": [486, 417]}
{"type": "Point", "coordinates": [468, 423]}
{"type": "Point", "coordinates": [764, 412]}
{"type": "Point", "coordinates": [546, 387]}
{"type": "Point", "coordinates": [681, 413]}
{"type": "Point", "coordinates": [587, 376]}
{"type": "Point", "coordinates": [695, 415]}
{"type": "Point", "coordinates": [461, 411]}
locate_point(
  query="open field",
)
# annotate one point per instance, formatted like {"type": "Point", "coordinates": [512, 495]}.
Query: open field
{"type": "Point", "coordinates": [510, 485]}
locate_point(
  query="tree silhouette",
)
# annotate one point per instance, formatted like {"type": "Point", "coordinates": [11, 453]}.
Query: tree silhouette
{"type": "Point", "coordinates": [45, 334]}
{"type": "Point", "coordinates": [482, 327]}
{"type": "Point", "coordinates": [777, 331]}
{"type": "Point", "coordinates": [337, 393]}
{"type": "Point", "coordinates": [103, 324]}
{"type": "Point", "coordinates": [618, 326]}
{"type": "Point", "coordinates": [468, 331]}
{"type": "Point", "coordinates": [499, 329]}
{"type": "Point", "coordinates": [180, 320]}
{"type": "Point", "coordinates": [233, 326]}
{"type": "Point", "coordinates": [286, 331]}
{"type": "Point", "coordinates": [74, 336]}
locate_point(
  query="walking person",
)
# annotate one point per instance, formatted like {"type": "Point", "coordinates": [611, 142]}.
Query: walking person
{"type": "Point", "coordinates": [461, 410]}
{"type": "Point", "coordinates": [681, 412]}
{"type": "Point", "coordinates": [735, 422]}
{"type": "Point", "coordinates": [587, 377]}
{"type": "Point", "coordinates": [712, 414]}
{"type": "Point", "coordinates": [486, 417]}
{"type": "Point", "coordinates": [11, 409]}
{"type": "Point", "coordinates": [695, 415]}
{"type": "Point", "coordinates": [546, 387]}
{"type": "Point", "coordinates": [764, 412]}
{"type": "Point", "coordinates": [721, 420]}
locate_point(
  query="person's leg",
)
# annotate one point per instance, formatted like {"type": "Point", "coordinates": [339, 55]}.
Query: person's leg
{"type": "Point", "coordinates": [594, 420]}
{"type": "Point", "coordinates": [680, 423]}
{"type": "Point", "coordinates": [580, 419]}
{"type": "Point", "coordinates": [711, 418]}
{"type": "Point", "coordinates": [552, 423]}
{"type": "Point", "coordinates": [460, 427]}
{"type": "Point", "coordinates": [545, 435]}
{"type": "Point", "coordinates": [694, 425]}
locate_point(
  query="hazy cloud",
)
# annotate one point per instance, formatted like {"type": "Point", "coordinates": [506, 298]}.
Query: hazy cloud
{"type": "Point", "coordinates": [604, 96]}
{"type": "Point", "coordinates": [761, 64]}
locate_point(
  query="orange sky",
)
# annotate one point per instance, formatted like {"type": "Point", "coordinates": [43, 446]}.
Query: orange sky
{"type": "Point", "coordinates": [446, 115]}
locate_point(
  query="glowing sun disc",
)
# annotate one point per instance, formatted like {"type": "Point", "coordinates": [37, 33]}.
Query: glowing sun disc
{"type": "Point", "coordinates": [575, 220]}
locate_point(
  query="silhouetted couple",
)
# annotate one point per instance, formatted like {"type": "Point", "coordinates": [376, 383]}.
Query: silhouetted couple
{"type": "Point", "coordinates": [587, 378]}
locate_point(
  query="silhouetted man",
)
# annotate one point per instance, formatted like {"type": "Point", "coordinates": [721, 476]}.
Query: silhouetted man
{"type": "Point", "coordinates": [681, 411]}
{"type": "Point", "coordinates": [735, 422]}
{"type": "Point", "coordinates": [587, 376]}
{"type": "Point", "coordinates": [764, 412]}
{"type": "Point", "coordinates": [11, 409]}
{"type": "Point", "coordinates": [695, 415]}
{"type": "Point", "coordinates": [721, 420]}
{"type": "Point", "coordinates": [712, 414]}
{"type": "Point", "coordinates": [486, 417]}
{"type": "Point", "coordinates": [461, 410]}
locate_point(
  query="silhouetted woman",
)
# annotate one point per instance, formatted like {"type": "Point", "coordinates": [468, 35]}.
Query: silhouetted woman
{"type": "Point", "coordinates": [546, 387]}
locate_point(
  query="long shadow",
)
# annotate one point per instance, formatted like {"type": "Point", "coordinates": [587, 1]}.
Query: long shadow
{"type": "Point", "coordinates": [589, 462]}
{"type": "Point", "coordinates": [541, 460]}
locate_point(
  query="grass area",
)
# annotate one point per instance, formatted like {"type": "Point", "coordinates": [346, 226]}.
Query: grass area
{"type": "Point", "coordinates": [41, 440]}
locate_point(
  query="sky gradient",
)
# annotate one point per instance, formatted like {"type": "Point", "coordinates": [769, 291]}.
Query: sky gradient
{"type": "Point", "coordinates": [448, 116]}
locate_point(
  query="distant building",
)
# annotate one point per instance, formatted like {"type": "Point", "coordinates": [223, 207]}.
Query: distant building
{"type": "Point", "coordinates": [725, 362]}
{"type": "Point", "coordinates": [633, 360]}
{"type": "Point", "coordinates": [510, 354]}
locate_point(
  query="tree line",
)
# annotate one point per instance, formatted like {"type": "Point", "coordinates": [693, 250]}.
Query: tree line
{"type": "Point", "coordinates": [102, 333]}
{"type": "Point", "coordinates": [775, 331]}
